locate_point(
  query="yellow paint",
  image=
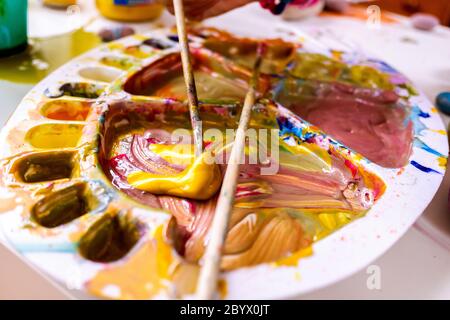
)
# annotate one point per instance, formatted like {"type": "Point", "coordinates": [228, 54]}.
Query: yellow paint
{"type": "Point", "coordinates": [306, 156]}
{"type": "Point", "coordinates": [293, 259]}
{"type": "Point", "coordinates": [45, 55]}
{"type": "Point", "coordinates": [115, 46]}
{"type": "Point", "coordinates": [328, 220]}
{"type": "Point", "coordinates": [59, 3]}
{"type": "Point", "coordinates": [369, 77]}
{"type": "Point", "coordinates": [443, 132]}
{"type": "Point", "coordinates": [118, 62]}
{"type": "Point", "coordinates": [333, 221]}
{"type": "Point", "coordinates": [199, 181]}
{"type": "Point", "coordinates": [53, 136]}
{"type": "Point", "coordinates": [442, 162]}
{"type": "Point", "coordinates": [337, 55]}
{"type": "Point", "coordinates": [142, 276]}
{"type": "Point", "coordinates": [139, 52]}
{"type": "Point", "coordinates": [181, 154]}
{"type": "Point", "coordinates": [320, 67]}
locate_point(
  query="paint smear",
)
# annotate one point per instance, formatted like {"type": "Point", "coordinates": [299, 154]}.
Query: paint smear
{"type": "Point", "coordinates": [423, 168]}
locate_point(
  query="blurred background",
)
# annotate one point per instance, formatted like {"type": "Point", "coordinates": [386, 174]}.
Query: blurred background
{"type": "Point", "coordinates": [439, 8]}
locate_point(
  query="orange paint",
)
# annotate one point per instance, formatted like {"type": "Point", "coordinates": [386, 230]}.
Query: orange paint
{"type": "Point", "coordinates": [293, 259]}
{"type": "Point", "coordinates": [70, 110]}
{"type": "Point", "coordinates": [374, 182]}
{"type": "Point", "coordinates": [222, 288]}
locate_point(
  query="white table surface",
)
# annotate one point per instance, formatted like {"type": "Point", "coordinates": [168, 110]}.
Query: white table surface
{"type": "Point", "coordinates": [416, 267]}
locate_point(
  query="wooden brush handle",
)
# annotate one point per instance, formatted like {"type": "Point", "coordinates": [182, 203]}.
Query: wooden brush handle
{"type": "Point", "coordinates": [189, 77]}
{"type": "Point", "coordinates": [207, 283]}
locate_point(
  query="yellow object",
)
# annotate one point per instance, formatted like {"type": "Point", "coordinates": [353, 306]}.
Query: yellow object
{"type": "Point", "coordinates": [137, 11]}
{"type": "Point", "coordinates": [199, 181]}
{"type": "Point", "coordinates": [54, 136]}
{"type": "Point", "coordinates": [292, 260]}
{"type": "Point", "coordinates": [181, 154]}
{"type": "Point", "coordinates": [59, 3]}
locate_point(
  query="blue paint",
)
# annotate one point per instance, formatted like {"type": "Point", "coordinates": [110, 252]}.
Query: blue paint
{"type": "Point", "coordinates": [173, 38]}
{"type": "Point", "coordinates": [382, 66]}
{"type": "Point", "coordinates": [309, 135]}
{"type": "Point", "coordinates": [66, 247]}
{"type": "Point", "coordinates": [423, 168]}
{"type": "Point", "coordinates": [287, 127]}
{"type": "Point", "coordinates": [422, 114]}
{"type": "Point", "coordinates": [415, 116]}
{"type": "Point", "coordinates": [422, 145]}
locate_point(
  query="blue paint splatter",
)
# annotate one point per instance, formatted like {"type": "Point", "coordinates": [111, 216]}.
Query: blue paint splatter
{"type": "Point", "coordinates": [287, 127]}
{"type": "Point", "coordinates": [423, 168]}
{"type": "Point", "coordinates": [382, 66]}
{"type": "Point", "coordinates": [415, 116]}
{"type": "Point", "coordinates": [421, 113]}
{"type": "Point", "coordinates": [422, 145]}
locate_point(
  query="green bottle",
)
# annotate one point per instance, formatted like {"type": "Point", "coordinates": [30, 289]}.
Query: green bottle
{"type": "Point", "coordinates": [13, 27]}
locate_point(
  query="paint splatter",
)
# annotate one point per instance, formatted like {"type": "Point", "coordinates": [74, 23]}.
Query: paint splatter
{"type": "Point", "coordinates": [422, 145]}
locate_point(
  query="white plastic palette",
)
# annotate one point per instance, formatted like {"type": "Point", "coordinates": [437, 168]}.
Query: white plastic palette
{"type": "Point", "coordinates": [408, 190]}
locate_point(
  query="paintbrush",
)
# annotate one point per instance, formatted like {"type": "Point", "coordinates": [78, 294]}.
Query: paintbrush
{"type": "Point", "coordinates": [207, 282]}
{"type": "Point", "coordinates": [189, 77]}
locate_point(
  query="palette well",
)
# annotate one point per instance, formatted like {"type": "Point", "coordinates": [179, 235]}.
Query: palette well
{"type": "Point", "coordinates": [360, 152]}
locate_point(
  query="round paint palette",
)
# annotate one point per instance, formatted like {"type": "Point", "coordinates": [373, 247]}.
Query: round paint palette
{"type": "Point", "coordinates": [360, 152]}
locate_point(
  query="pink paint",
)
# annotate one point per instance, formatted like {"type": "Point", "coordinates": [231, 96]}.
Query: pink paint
{"type": "Point", "coordinates": [371, 122]}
